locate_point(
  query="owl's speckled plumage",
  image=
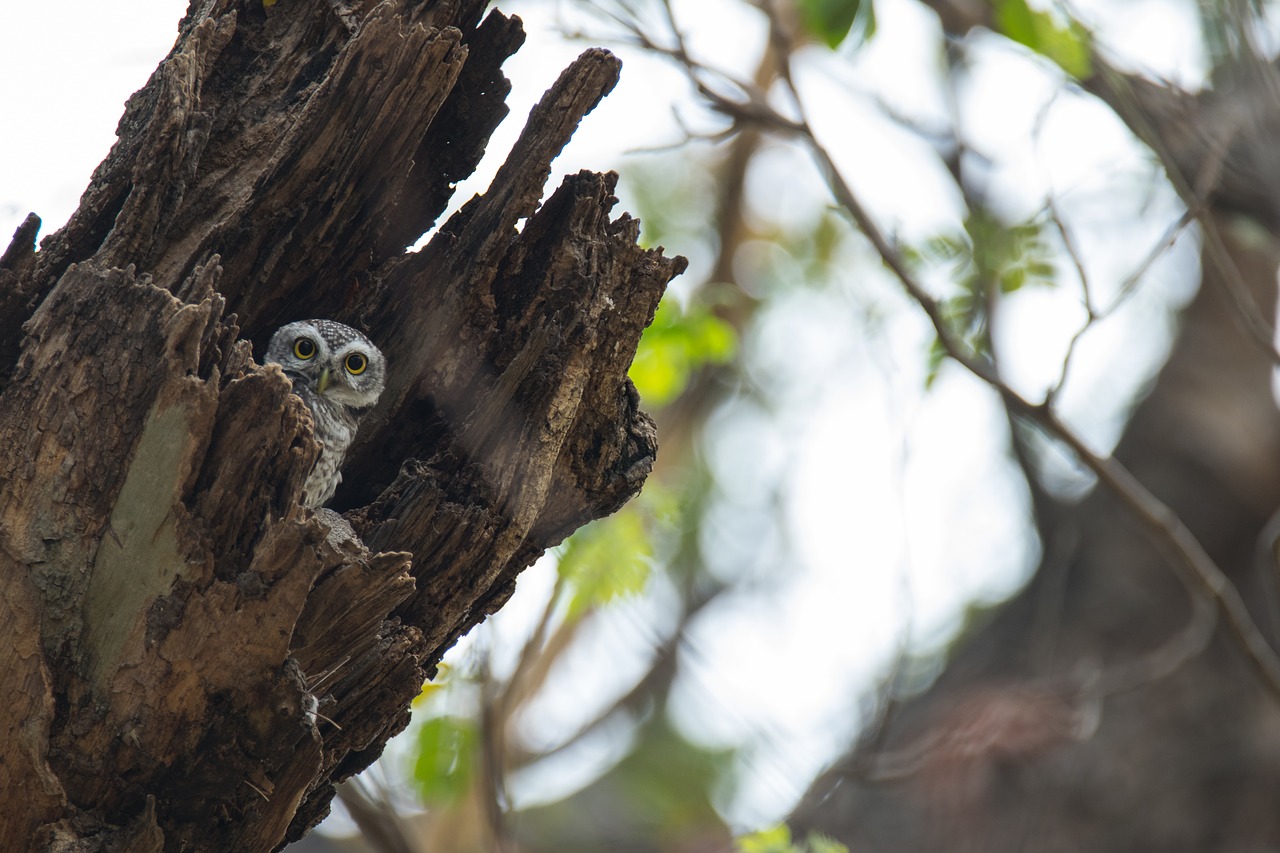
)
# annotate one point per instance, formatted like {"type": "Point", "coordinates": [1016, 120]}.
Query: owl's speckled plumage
{"type": "Point", "coordinates": [339, 374]}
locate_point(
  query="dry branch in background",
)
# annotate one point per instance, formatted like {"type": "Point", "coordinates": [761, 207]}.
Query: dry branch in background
{"type": "Point", "coordinates": [1168, 736]}
{"type": "Point", "coordinates": [1099, 709]}
{"type": "Point", "coordinates": [192, 661]}
{"type": "Point", "coordinates": [749, 108]}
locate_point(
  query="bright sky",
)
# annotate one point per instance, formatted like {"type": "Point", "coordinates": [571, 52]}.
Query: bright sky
{"type": "Point", "coordinates": [901, 504]}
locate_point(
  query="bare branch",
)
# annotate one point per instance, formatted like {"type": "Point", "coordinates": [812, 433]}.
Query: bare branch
{"type": "Point", "coordinates": [1124, 98]}
{"type": "Point", "coordinates": [1190, 559]}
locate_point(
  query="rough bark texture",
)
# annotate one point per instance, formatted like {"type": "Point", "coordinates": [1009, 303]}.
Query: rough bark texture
{"type": "Point", "coordinates": [1028, 741]}
{"type": "Point", "coordinates": [190, 659]}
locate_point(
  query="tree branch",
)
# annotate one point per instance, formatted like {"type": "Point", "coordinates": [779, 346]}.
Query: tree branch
{"type": "Point", "coordinates": [1193, 563]}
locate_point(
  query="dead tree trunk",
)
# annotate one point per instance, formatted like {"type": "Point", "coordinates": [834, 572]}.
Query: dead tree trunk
{"type": "Point", "coordinates": [190, 660]}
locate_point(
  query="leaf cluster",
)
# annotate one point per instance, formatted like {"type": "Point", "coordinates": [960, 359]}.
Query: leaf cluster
{"type": "Point", "coordinates": [612, 557]}
{"type": "Point", "coordinates": [989, 259]}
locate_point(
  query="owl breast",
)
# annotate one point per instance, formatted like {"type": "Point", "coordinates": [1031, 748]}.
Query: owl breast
{"type": "Point", "coordinates": [335, 429]}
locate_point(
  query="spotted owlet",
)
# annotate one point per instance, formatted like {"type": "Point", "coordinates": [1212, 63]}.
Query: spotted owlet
{"type": "Point", "coordinates": [339, 374]}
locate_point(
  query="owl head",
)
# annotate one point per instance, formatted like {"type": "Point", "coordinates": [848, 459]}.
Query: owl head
{"type": "Point", "coordinates": [332, 361]}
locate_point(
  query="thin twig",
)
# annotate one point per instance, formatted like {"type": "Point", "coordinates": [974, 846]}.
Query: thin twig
{"type": "Point", "coordinates": [1091, 312]}
{"type": "Point", "coordinates": [1250, 316]}
{"type": "Point", "coordinates": [1069, 243]}
{"type": "Point", "coordinates": [1129, 285]}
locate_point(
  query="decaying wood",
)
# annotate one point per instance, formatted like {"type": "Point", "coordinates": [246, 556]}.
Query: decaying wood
{"type": "Point", "coordinates": [191, 658]}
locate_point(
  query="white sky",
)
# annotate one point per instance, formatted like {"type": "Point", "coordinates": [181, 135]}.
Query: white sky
{"type": "Point", "coordinates": [893, 538]}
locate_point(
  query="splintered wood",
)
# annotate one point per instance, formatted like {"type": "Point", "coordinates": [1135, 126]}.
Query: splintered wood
{"type": "Point", "coordinates": [192, 659]}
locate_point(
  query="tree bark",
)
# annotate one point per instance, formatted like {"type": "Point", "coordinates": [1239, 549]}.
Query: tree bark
{"type": "Point", "coordinates": [192, 658]}
{"type": "Point", "coordinates": [1098, 710]}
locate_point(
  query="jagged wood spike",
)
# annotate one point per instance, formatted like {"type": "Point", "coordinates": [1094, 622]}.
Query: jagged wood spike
{"type": "Point", "coordinates": [193, 659]}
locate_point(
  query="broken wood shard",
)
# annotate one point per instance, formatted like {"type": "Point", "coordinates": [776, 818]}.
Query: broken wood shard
{"type": "Point", "coordinates": [193, 659]}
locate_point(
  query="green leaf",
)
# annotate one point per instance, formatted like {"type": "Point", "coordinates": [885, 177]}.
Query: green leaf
{"type": "Point", "coordinates": [991, 252]}
{"type": "Point", "coordinates": [445, 758]}
{"type": "Point", "coordinates": [775, 839]}
{"type": "Point", "coordinates": [934, 360]}
{"type": "Point", "coordinates": [606, 559]}
{"type": "Point", "coordinates": [432, 688]}
{"type": "Point", "coordinates": [676, 344]}
{"type": "Point", "coordinates": [945, 248]}
{"type": "Point", "coordinates": [1065, 44]}
{"type": "Point", "coordinates": [1013, 279]}
{"type": "Point", "coordinates": [831, 21]}
{"type": "Point", "coordinates": [658, 374]}
{"type": "Point", "coordinates": [819, 843]}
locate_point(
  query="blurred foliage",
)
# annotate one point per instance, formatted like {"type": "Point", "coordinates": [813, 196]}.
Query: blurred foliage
{"type": "Point", "coordinates": [804, 254]}
{"type": "Point", "coordinates": [1062, 41]}
{"type": "Point", "coordinates": [435, 686]}
{"type": "Point", "coordinates": [670, 778]}
{"type": "Point", "coordinates": [832, 21]}
{"type": "Point", "coordinates": [612, 557]}
{"type": "Point", "coordinates": [680, 341]}
{"type": "Point", "coordinates": [446, 753]}
{"type": "Point", "coordinates": [606, 559]}
{"type": "Point", "coordinates": [655, 799]}
{"type": "Point", "coordinates": [1008, 255]}
{"type": "Point", "coordinates": [662, 787]}
{"type": "Point", "coordinates": [990, 258]}
{"type": "Point", "coordinates": [674, 198]}
{"type": "Point", "coordinates": [777, 839]}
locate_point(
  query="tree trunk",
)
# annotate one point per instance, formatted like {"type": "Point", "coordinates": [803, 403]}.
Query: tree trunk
{"type": "Point", "coordinates": [1097, 710]}
{"type": "Point", "coordinates": [192, 658]}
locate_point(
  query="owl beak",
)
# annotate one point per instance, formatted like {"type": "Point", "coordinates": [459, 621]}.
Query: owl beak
{"type": "Point", "coordinates": [324, 380]}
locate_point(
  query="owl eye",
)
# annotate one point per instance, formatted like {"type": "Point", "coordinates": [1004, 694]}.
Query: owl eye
{"type": "Point", "coordinates": [304, 348]}
{"type": "Point", "coordinates": [356, 364]}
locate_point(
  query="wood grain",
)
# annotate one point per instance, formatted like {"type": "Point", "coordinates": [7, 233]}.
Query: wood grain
{"type": "Point", "coordinates": [193, 659]}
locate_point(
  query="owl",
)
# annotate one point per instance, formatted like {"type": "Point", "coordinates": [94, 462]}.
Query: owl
{"type": "Point", "coordinates": [339, 374]}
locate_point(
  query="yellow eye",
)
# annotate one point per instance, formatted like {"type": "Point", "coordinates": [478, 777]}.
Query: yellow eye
{"type": "Point", "coordinates": [304, 348]}
{"type": "Point", "coordinates": [356, 364]}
